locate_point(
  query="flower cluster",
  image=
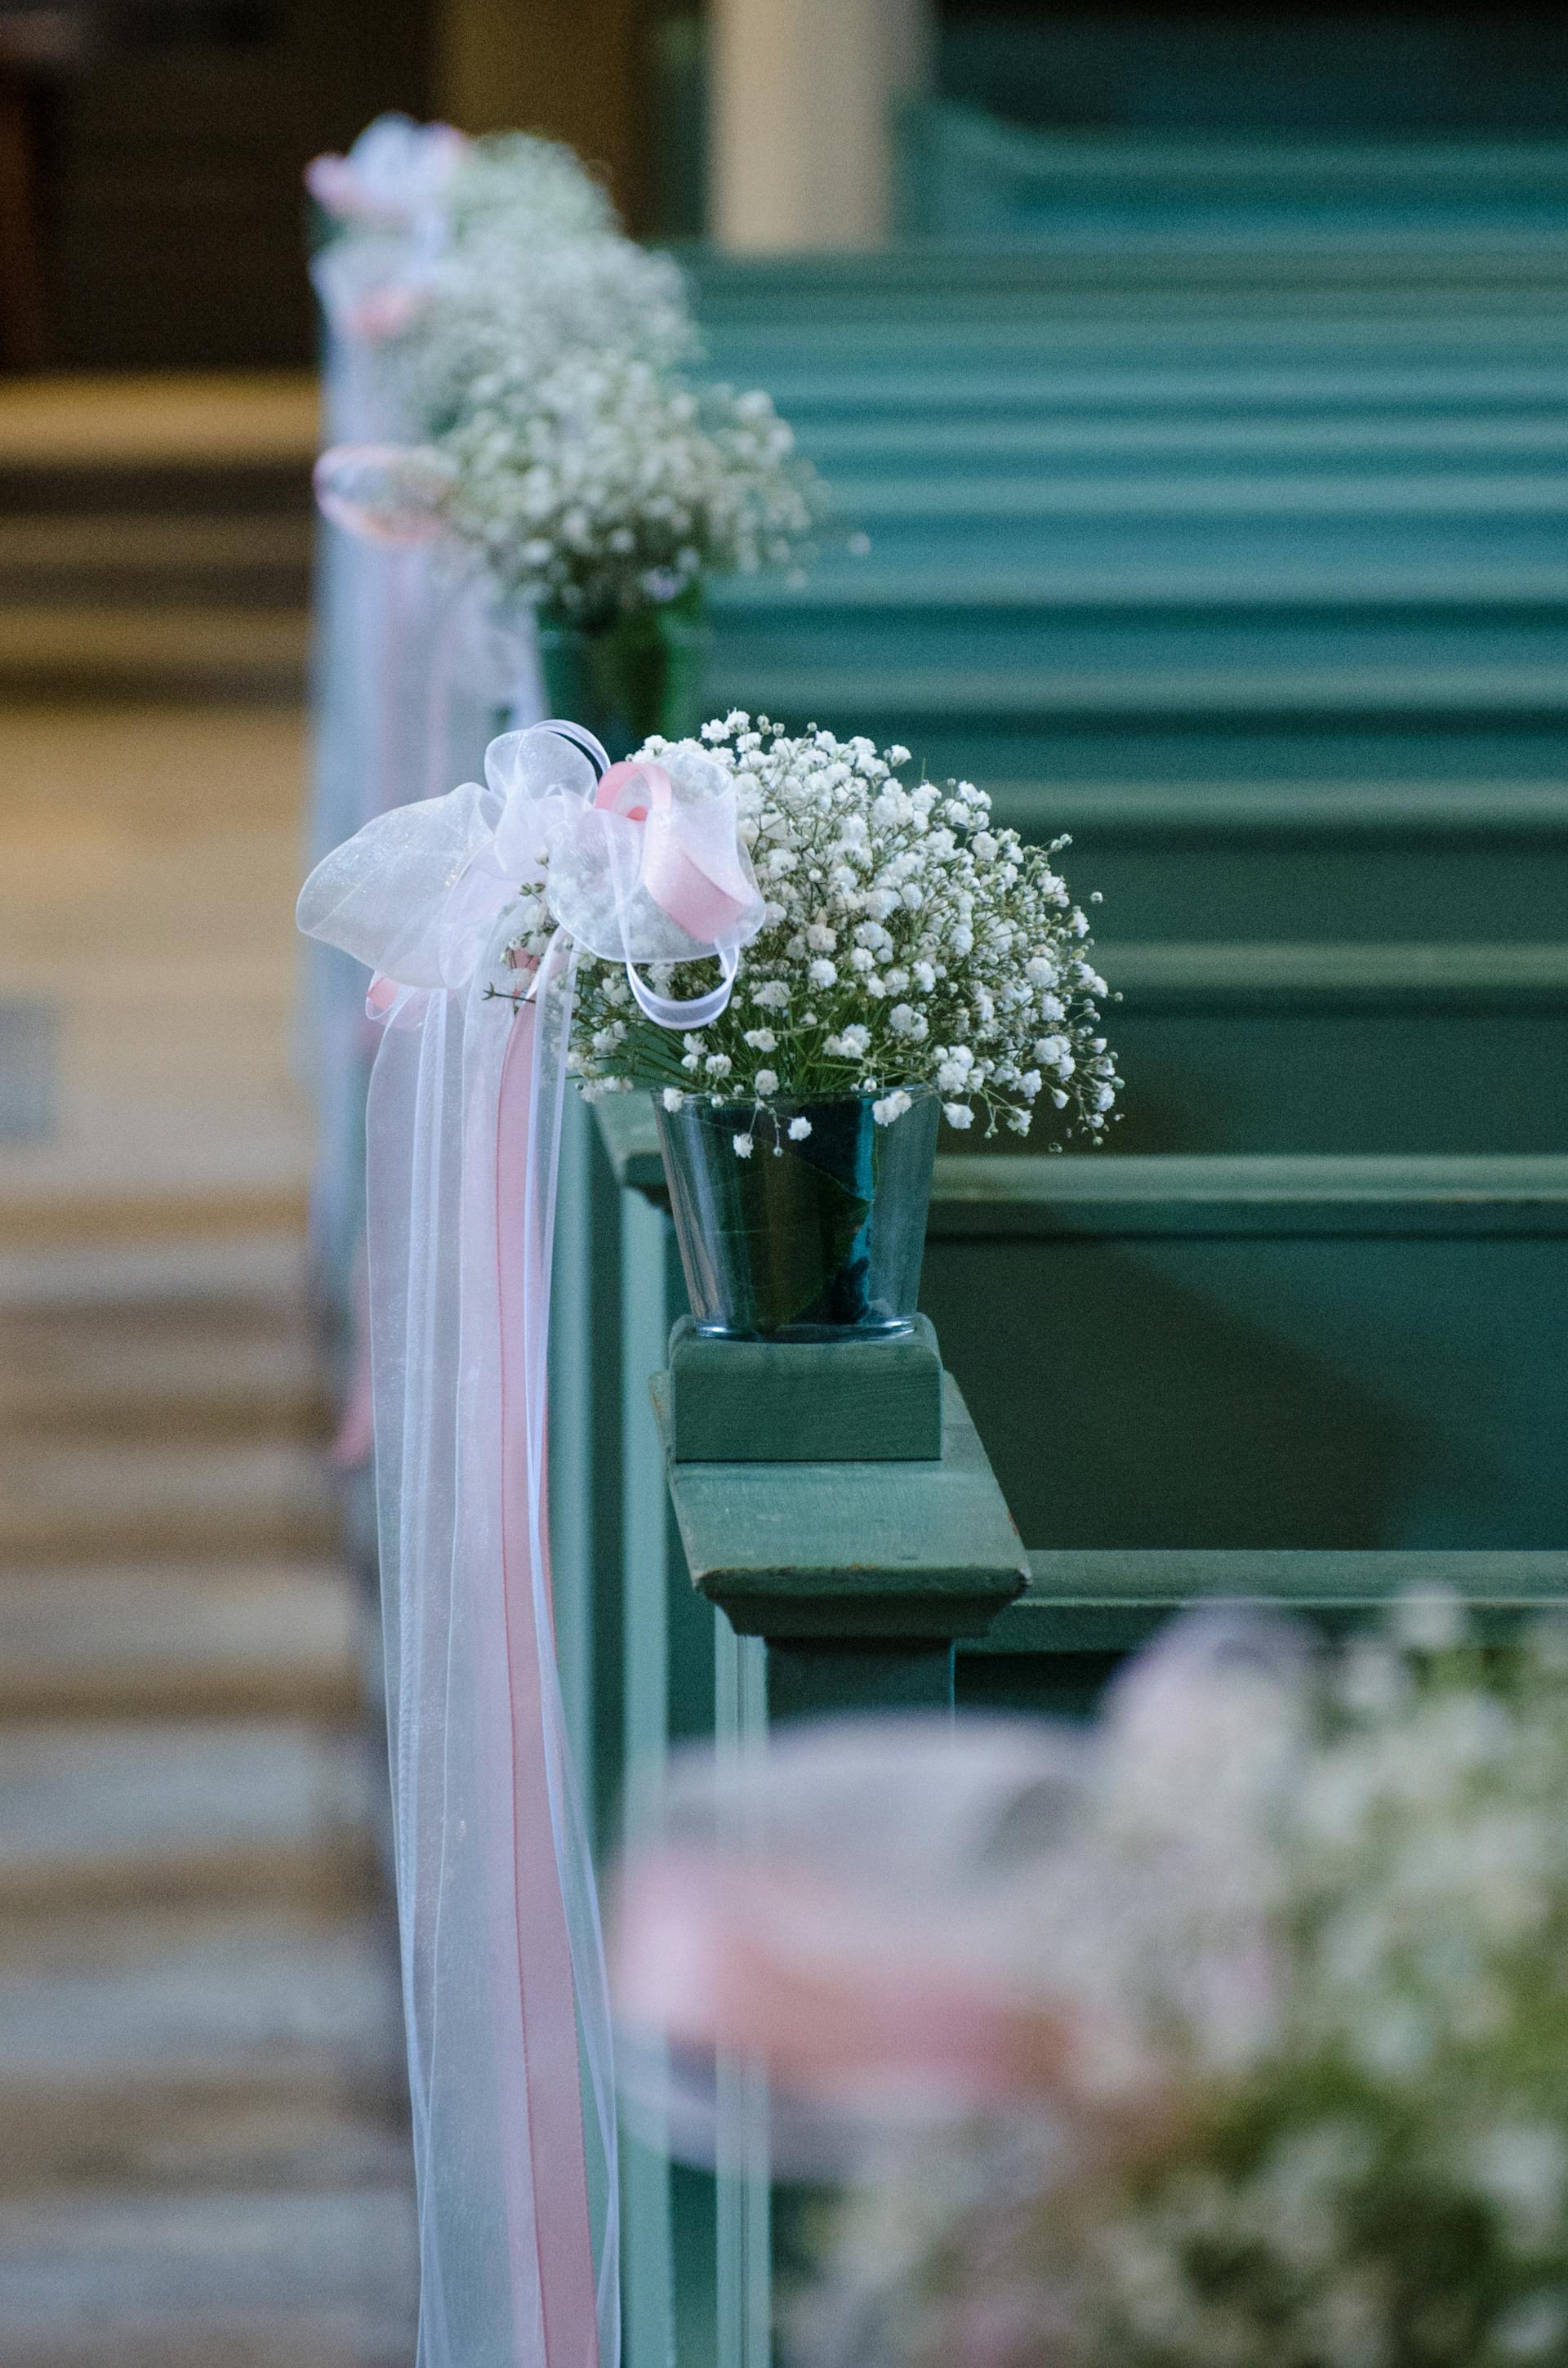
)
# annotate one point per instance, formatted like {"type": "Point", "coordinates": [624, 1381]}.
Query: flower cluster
{"type": "Point", "coordinates": [508, 305]}
{"type": "Point", "coordinates": [1328, 1954]}
{"type": "Point", "coordinates": [397, 174]}
{"type": "Point", "coordinates": [539, 352]}
{"type": "Point", "coordinates": [461, 258]}
{"type": "Point", "coordinates": [907, 944]}
{"type": "Point", "coordinates": [602, 482]}
{"type": "Point", "coordinates": [525, 187]}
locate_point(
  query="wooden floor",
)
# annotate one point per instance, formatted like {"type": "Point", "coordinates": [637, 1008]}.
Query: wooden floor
{"type": "Point", "coordinates": [202, 2148]}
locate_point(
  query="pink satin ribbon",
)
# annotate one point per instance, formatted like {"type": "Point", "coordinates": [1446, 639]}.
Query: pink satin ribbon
{"type": "Point", "coordinates": [674, 876]}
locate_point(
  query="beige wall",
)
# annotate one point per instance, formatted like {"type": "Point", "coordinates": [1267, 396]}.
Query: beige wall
{"type": "Point", "coordinates": [802, 97]}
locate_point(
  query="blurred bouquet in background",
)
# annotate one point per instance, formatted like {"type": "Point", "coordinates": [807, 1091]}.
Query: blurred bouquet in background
{"type": "Point", "coordinates": [601, 483]}
{"type": "Point", "coordinates": [515, 379]}
{"type": "Point", "coordinates": [415, 212]}
{"type": "Point", "coordinates": [1233, 2033]}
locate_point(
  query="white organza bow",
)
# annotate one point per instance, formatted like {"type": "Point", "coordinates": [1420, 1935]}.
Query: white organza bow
{"type": "Point", "coordinates": [392, 191]}
{"type": "Point", "coordinates": [396, 173]}
{"type": "Point", "coordinates": [639, 863]}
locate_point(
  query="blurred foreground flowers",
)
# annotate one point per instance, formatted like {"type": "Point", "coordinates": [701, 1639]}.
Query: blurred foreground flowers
{"type": "Point", "coordinates": [1231, 2033]}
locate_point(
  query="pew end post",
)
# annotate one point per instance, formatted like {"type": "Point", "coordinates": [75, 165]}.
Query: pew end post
{"type": "Point", "coordinates": [836, 1501]}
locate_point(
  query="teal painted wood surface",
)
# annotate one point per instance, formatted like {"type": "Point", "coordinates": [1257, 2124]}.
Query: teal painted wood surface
{"type": "Point", "coordinates": [967, 174]}
{"type": "Point", "coordinates": [898, 1552]}
{"type": "Point", "coordinates": [648, 2267]}
{"type": "Point", "coordinates": [1098, 1602]}
{"type": "Point", "coordinates": [1504, 329]}
{"type": "Point", "coordinates": [813, 1678]}
{"type": "Point", "coordinates": [743, 2195]}
{"type": "Point", "coordinates": [857, 454]}
{"type": "Point", "coordinates": [1057, 1647]}
{"type": "Point", "coordinates": [1366, 862]}
{"type": "Point", "coordinates": [1417, 535]}
{"type": "Point", "coordinates": [667, 1693]}
{"type": "Point", "coordinates": [873, 1400]}
{"type": "Point", "coordinates": [1157, 644]}
{"type": "Point", "coordinates": [1394, 74]}
{"type": "Point", "coordinates": [1433, 285]}
{"type": "Point", "coordinates": [1284, 1352]}
{"type": "Point", "coordinates": [1193, 725]}
{"type": "Point", "coordinates": [1263, 1352]}
{"type": "Point", "coordinates": [1146, 275]}
{"type": "Point", "coordinates": [1093, 1197]}
{"type": "Point", "coordinates": [1342, 1048]}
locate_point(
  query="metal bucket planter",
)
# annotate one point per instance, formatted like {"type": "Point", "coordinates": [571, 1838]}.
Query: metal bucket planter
{"type": "Point", "coordinates": [816, 1238]}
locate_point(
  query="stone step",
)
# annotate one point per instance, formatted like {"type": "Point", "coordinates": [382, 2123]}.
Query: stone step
{"type": "Point", "coordinates": [249, 1810]}
{"type": "Point", "coordinates": [156, 562]}
{"type": "Point", "coordinates": [240, 1271]}
{"type": "Point", "coordinates": [77, 1500]}
{"type": "Point", "coordinates": [205, 2049]}
{"type": "Point", "coordinates": [149, 1371]}
{"type": "Point", "coordinates": [187, 1641]}
{"type": "Point", "coordinates": [179, 652]}
{"type": "Point", "coordinates": [189, 420]}
{"type": "Point", "coordinates": [209, 2281]}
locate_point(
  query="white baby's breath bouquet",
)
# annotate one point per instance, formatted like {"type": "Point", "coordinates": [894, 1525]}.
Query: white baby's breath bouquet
{"type": "Point", "coordinates": [473, 264]}
{"type": "Point", "coordinates": [603, 483]}
{"type": "Point", "coordinates": [534, 397]}
{"type": "Point", "coordinates": [908, 944]}
{"type": "Point", "coordinates": [521, 185]}
{"type": "Point", "coordinates": [1305, 1958]}
{"type": "Point", "coordinates": [506, 305]}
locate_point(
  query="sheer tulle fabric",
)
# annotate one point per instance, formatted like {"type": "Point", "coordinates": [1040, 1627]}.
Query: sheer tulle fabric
{"type": "Point", "coordinates": [503, 1977]}
{"type": "Point", "coordinates": [413, 662]}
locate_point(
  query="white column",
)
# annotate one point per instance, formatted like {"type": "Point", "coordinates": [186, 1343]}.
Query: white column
{"type": "Point", "coordinates": [802, 99]}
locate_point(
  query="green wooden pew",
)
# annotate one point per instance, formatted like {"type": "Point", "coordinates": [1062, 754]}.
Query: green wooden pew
{"type": "Point", "coordinates": [1348, 861]}
{"type": "Point", "coordinates": [937, 390]}
{"type": "Point", "coordinates": [1349, 620]}
{"type": "Point", "coordinates": [1055, 1646]}
{"type": "Point", "coordinates": [965, 173]}
{"type": "Point", "coordinates": [1300, 1381]}
{"type": "Point", "coordinates": [1298, 1350]}
{"type": "Point", "coordinates": [857, 454]}
{"type": "Point", "coordinates": [1281, 77]}
{"type": "Point", "coordinates": [1318, 268]}
{"type": "Point", "coordinates": [1318, 1047]}
{"type": "Point", "coordinates": [1046, 368]}
{"type": "Point", "coordinates": [1285, 719]}
{"type": "Point", "coordinates": [1289, 1352]}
